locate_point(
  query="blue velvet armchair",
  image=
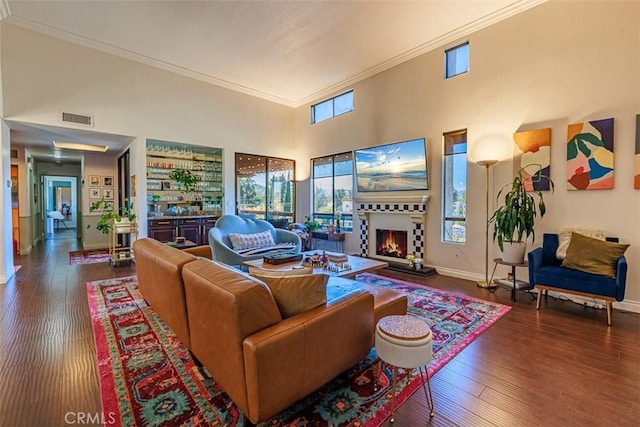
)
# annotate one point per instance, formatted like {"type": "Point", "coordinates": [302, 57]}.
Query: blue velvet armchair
{"type": "Point", "coordinates": [546, 273]}
{"type": "Point", "coordinates": [222, 249]}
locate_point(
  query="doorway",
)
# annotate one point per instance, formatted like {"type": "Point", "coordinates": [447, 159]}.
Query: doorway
{"type": "Point", "coordinates": [60, 204]}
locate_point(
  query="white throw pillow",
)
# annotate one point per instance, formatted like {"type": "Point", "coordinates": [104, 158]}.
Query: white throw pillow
{"type": "Point", "coordinates": [254, 240]}
{"type": "Point", "coordinates": [564, 238]}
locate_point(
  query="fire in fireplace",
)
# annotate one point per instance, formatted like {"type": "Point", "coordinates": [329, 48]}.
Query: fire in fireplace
{"type": "Point", "coordinates": [391, 243]}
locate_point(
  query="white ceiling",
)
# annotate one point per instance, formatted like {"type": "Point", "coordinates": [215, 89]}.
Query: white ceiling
{"type": "Point", "coordinates": [290, 52]}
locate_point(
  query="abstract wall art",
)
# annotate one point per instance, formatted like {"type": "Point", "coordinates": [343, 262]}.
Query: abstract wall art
{"type": "Point", "coordinates": [636, 158]}
{"type": "Point", "coordinates": [590, 155]}
{"type": "Point", "coordinates": [532, 152]}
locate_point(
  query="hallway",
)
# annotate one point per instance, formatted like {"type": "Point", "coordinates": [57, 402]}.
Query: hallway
{"type": "Point", "coordinates": [47, 362]}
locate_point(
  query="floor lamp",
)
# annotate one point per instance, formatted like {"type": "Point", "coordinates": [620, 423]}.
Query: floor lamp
{"type": "Point", "coordinates": [485, 284]}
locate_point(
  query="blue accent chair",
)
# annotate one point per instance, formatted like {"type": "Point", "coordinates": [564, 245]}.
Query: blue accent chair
{"type": "Point", "coordinates": [547, 274]}
{"type": "Point", "coordinates": [222, 250]}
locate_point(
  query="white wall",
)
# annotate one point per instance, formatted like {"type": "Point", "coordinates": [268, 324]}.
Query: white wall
{"type": "Point", "coordinates": [558, 63]}
{"type": "Point", "coordinates": [44, 76]}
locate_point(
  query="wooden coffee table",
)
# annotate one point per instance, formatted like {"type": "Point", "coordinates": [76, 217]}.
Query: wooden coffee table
{"type": "Point", "coordinates": [358, 265]}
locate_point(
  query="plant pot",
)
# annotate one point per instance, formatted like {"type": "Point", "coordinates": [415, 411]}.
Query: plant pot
{"type": "Point", "coordinates": [122, 226]}
{"type": "Point", "coordinates": [513, 252]}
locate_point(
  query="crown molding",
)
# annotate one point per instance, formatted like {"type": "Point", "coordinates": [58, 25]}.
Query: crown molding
{"type": "Point", "coordinates": [136, 57]}
{"type": "Point", "coordinates": [450, 37]}
{"type": "Point", "coordinates": [445, 39]}
{"type": "Point", "coordinates": [5, 10]}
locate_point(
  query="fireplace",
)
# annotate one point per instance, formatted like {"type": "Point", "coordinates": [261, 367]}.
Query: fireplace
{"type": "Point", "coordinates": [405, 214]}
{"type": "Point", "coordinates": [391, 243]}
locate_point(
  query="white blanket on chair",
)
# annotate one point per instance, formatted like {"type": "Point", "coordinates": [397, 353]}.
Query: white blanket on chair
{"type": "Point", "coordinates": [266, 249]}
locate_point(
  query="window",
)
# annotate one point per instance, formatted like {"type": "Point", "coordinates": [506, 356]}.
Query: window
{"type": "Point", "coordinates": [265, 188]}
{"type": "Point", "coordinates": [332, 107]}
{"type": "Point", "coordinates": [457, 60]}
{"type": "Point", "coordinates": [333, 190]}
{"type": "Point", "coordinates": [454, 177]}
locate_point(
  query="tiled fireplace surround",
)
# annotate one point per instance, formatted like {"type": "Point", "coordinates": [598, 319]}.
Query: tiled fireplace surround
{"type": "Point", "coordinates": [403, 211]}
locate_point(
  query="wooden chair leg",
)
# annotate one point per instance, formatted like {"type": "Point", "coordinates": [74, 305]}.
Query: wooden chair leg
{"type": "Point", "coordinates": [609, 307]}
{"type": "Point", "coordinates": [539, 299]}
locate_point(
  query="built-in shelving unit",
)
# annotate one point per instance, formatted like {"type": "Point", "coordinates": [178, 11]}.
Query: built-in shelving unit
{"type": "Point", "coordinates": [165, 196]}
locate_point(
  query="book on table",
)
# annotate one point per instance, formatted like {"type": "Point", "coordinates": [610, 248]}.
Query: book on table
{"type": "Point", "coordinates": [337, 258]}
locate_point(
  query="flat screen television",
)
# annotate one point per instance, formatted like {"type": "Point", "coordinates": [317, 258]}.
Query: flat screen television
{"type": "Point", "coordinates": [399, 166]}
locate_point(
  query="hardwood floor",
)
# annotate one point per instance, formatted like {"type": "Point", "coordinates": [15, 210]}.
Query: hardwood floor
{"type": "Point", "coordinates": [558, 366]}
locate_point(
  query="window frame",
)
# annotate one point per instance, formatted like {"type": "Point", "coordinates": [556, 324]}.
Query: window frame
{"type": "Point", "coordinates": [330, 218]}
{"type": "Point", "coordinates": [333, 107]}
{"type": "Point", "coordinates": [452, 50]}
{"type": "Point", "coordinates": [268, 214]}
{"type": "Point", "coordinates": [463, 134]}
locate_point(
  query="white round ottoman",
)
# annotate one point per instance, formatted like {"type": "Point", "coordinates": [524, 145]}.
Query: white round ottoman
{"type": "Point", "coordinates": [404, 341]}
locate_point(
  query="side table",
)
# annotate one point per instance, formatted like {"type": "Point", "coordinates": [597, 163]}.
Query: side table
{"type": "Point", "coordinates": [514, 284]}
{"type": "Point", "coordinates": [338, 238]}
{"type": "Point", "coordinates": [405, 342]}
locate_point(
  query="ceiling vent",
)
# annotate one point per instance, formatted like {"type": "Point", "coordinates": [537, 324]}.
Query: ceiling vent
{"type": "Point", "coordinates": [80, 119]}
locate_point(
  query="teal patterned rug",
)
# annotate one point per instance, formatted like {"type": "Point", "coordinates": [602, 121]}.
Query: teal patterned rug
{"type": "Point", "coordinates": [148, 378]}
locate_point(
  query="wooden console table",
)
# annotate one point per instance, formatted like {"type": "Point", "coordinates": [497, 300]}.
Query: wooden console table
{"type": "Point", "coordinates": [338, 238]}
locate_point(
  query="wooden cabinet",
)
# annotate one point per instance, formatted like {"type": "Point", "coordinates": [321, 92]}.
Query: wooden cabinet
{"type": "Point", "coordinates": [164, 230]}
{"type": "Point", "coordinates": [190, 229]}
{"type": "Point", "coordinates": [195, 229]}
{"type": "Point", "coordinates": [207, 224]}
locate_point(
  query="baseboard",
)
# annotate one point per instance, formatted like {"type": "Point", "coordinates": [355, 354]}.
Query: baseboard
{"type": "Point", "coordinates": [626, 305]}
{"type": "Point", "coordinates": [459, 274]}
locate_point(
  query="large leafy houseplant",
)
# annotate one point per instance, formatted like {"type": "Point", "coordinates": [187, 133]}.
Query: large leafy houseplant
{"type": "Point", "coordinates": [109, 215]}
{"type": "Point", "coordinates": [185, 179]}
{"type": "Point", "coordinates": [514, 221]}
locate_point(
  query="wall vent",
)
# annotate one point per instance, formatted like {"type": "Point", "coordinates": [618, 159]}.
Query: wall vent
{"type": "Point", "coordinates": [81, 119]}
{"type": "Point", "coordinates": [14, 154]}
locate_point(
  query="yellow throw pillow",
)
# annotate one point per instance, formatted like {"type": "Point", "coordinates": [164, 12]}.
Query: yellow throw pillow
{"type": "Point", "coordinates": [296, 294]}
{"type": "Point", "coordinates": [564, 238]}
{"type": "Point", "coordinates": [593, 256]}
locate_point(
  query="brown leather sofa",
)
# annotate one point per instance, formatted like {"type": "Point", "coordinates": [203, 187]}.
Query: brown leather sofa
{"type": "Point", "coordinates": [231, 323]}
{"type": "Point", "coordinates": [159, 271]}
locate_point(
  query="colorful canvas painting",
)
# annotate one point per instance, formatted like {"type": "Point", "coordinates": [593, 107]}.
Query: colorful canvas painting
{"type": "Point", "coordinates": [636, 159]}
{"type": "Point", "coordinates": [532, 152]}
{"type": "Point", "coordinates": [590, 155]}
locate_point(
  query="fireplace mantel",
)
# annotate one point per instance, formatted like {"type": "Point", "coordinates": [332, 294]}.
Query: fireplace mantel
{"type": "Point", "coordinates": [392, 199]}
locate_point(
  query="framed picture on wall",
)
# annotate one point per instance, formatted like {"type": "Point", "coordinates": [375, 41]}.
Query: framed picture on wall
{"type": "Point", "coordinates": [94, 181]}
{"type": "Point", "coordinates": [107, 193]}
{"type": "Point", "coordinates": [94, 193]}
{"type": "Point", "coordinates": [134, 182]}
{"type": "Point", "coordinates": [107, 181]}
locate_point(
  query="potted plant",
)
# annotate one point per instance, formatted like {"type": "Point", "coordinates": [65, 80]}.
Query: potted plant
{"type": "Point", "coordinates": [185, 179]}
{"type": "Point", "coordinates": [110, 217]}
{"type": "Point", "coordinates": [311, 224]}
{"type": "Point", "coordinates": [514, 221]}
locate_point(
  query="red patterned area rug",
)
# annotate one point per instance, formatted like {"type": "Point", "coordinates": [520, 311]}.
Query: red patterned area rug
{"type": "Point", "coordinates": [148, 377]}
{"type": "Point", "coordinates": [89, 256]}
